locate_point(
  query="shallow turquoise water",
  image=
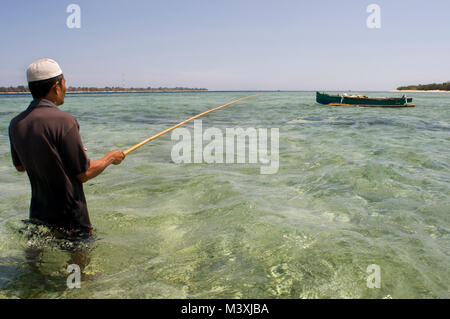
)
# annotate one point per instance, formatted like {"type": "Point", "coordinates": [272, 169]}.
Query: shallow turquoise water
{"type": "Point", "coordinates": [355, 187]}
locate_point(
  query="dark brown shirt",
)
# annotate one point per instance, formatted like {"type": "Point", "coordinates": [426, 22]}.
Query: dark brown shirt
{"type": "Point", "coordinates": [46, 142]}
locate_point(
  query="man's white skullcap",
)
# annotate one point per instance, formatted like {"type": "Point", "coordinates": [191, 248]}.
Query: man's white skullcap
{"type": "Point", "coordinates": [43, 69]}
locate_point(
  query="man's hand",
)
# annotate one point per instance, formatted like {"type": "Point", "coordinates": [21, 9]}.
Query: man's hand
{"type": "Point", "coordinates": [116, 156]}
{"type": "Point", "coordinates": [96, 167]}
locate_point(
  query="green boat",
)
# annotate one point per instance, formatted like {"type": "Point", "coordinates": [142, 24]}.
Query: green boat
{"type": "Point", "coordinates": [362, 100]}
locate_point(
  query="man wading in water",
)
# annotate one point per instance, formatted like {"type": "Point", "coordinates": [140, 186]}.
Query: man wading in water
{"type": "Point", "coordinates": [46, 143]}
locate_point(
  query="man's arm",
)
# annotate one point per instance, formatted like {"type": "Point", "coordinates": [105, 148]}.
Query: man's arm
{"type": "Point", "coordinates": [98, 166]}
{"type": "Point", "coordinates": [15, 158]}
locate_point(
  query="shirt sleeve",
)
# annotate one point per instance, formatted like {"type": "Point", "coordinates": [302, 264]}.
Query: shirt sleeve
{"type": "Point", "coordinates": [15, 157]}
{"type": "Point", "coordinates": [73, 153]}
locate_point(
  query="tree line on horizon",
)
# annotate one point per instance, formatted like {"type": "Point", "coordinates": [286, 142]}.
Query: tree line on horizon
{"type": "Point", "coordinates": [24, 89]}
{"type": "Point", "coordinates": [424, 87]}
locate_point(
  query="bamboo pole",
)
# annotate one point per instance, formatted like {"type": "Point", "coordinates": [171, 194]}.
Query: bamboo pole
{"type": "Point", "coordinates": [181, 123]}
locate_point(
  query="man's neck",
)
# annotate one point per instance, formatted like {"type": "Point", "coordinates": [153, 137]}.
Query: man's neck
{"type": "Point", "coordinates": [50, 98]}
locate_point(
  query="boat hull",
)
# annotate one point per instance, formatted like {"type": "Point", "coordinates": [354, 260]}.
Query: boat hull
{"type": "Point", "coordinates": [366, 105]}
{"type": "Point", "coordinates": [329, 99]}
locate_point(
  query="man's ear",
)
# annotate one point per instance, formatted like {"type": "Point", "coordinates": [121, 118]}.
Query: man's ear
{"type": "Point", "coordinates": [57, 85]}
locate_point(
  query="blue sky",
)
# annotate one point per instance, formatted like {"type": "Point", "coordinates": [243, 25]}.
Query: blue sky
{"type": "Point", "coordinates": [230, 45]}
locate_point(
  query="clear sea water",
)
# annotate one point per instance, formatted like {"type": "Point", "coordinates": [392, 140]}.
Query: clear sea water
{"type": "Point", "coordinates": [355, 187]}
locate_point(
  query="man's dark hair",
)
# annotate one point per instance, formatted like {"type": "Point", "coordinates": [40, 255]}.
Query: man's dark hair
{"type": "Point", "coordinates": [39, 89]}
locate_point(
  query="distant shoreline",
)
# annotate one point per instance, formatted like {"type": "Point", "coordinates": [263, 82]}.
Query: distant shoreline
{"type": "Point", "coordinates": [206, 90]}
{"type": "Point", "coordinates": [124, 91]}
{"type": "Point", "coordinates": [420, 91]}
{"type": "Point", "coordinates": [140, 91]}
{"type": "Point", "coordinates": [432, 87]}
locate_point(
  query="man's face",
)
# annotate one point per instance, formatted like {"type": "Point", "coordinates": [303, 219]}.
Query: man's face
{"type": "Point", "coordinates": [60, 91]}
